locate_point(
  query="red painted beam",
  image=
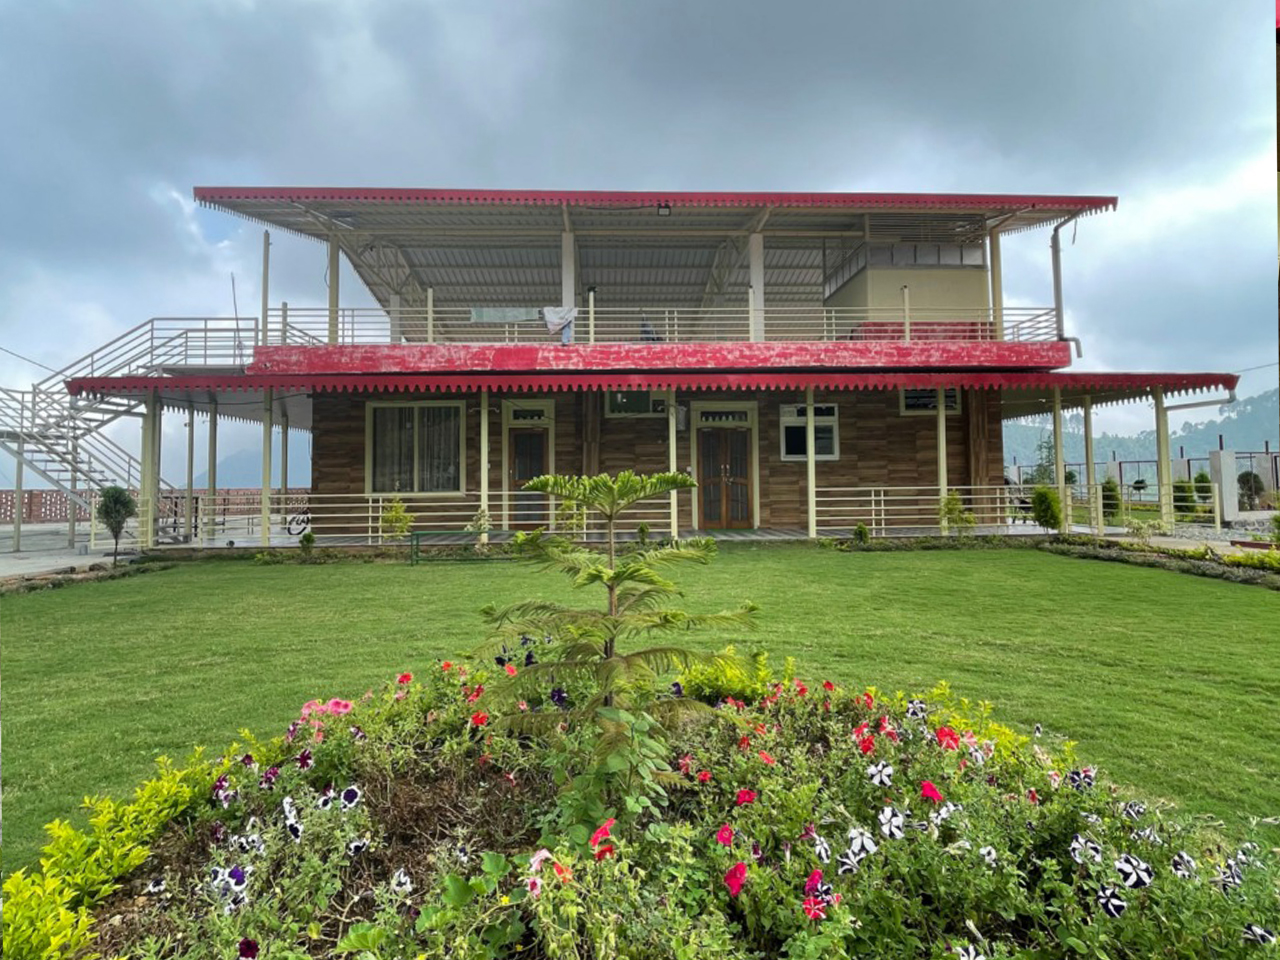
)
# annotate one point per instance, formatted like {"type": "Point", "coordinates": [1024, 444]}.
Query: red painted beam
{"type": "Point", "coordinates": [549, 357]}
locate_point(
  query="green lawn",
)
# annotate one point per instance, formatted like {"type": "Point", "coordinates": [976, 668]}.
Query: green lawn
{"type": "Point", "coordinates": [1170, 682]}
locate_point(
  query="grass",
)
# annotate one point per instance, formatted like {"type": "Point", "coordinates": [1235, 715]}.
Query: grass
{"type": "Point", "coordinates": [1171, 682]}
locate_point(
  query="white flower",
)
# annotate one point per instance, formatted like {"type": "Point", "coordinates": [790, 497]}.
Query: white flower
{"type": "Point", "coordinates": [917, 710]}
{"type": "Point", "coordinates": [1111, 902]}
{"type": "Point", "coordinates": [969, 952]}
{"type": "Point", "coordinates": [1256, 934]}
{"type": "Point", "coordinates": [537, 860]}
{"type": "Point", "coordinates": [535, 886]}
{"type": "Point", "coordinates": [350, 797]}
{"type": "Point", "coordinates": [1134, 810]}
{"type": "Point", "coordinates": [881, 774]}
{"type": "Point", "coordinates": [156, 886]}
{"type": "Point", "coordinates": [1083, 848]}
{"type": "Point", "coordinates": [357, 846]}
{"type": "Point", "coordinates": [822, 849]}
{"type": "Point", "coordinates": [1135, 873]}
{"type": "Point", "coordinates": [1183, 866]}
{"type": "Point", "coordinates": [401, 885]}
{"type": "Point", "coordinates": [988, 854]}
{"type": "Point", "coordinates": [891, 822]}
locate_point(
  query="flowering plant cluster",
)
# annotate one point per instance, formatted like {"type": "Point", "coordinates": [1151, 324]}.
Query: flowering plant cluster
{"type": "Point", "coordinates": [812, 821]}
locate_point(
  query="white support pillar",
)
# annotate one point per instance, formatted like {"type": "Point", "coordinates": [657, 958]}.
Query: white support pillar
{"type": "Point", "coordinates": [591, 315]}
{"type": "Point", "coordinates": [335, 263]}
{"type": "Point", "coordinates": [393, 317]}
{"type": "Point", "coordinates": [1059, 464]}
{"type": "Point", "coordinates": [188, 529]}
{"type": "Point", "coordinates": [145, 506]}
{"type": "Point", "coordinates": [265, 512]}
{"type": "Point", "coordinates": [997, 286]}
{"type": "Point", "coordinates": [152, 447]}
{"type": "Point", "coordinates": [211, 490]}
{"type": "Point", "coordinates": [671, 461]}
{"type": "Point", "coordinates": [1222, 472]}
{"type": "Point", "coordinates": [19, 495]}
{"type": "Point", "coordinates": [1055, 248]}
{"type": "Point", "coordinates": [568, 270]}
{"type": "Point", "coordinates": [484, 460]}
{"type": "Point", "coordinates": [1095, 502]}
{"type": "Point", "coordinates": [1164, 483]}
{"type": "Point", "coordinates": [72, 507]}
{"type": "Point", "coordinates": [906, 312]}
{"type": "Point", "coordinates": [262, 333]}
{"type": "Point", "coordinates": [755, 263]}
{"type": "Point", "coordinates": [810, 463]}
{"type": "Point", "coordinates": [284, 452]}
{"type": "Point", "coordinates": [431, 314]}
{"type": "Point", "coordinates": [942, 452]}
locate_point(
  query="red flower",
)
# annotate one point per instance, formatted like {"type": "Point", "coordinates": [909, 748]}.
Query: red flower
{"type": "Point", "coordinates": [685, 763]}
{"type": "Point", "coordinates": [479, 718]}
{"type": "Point", "coordinates": [745, 797]}
{"type": "Point", "coordinates": [744, 743]}
{"type": "Point", "coordinates": [446, 665]}
{"type": "Point", "coordinates": [511, 670]}
{"type": "Point", "coordinates": [860, 730]}
{"type": "Point", "coordinates": [602, 833]}
{"type": "Point", "coordinates": [475, 694]}
{"type": "Point", "coordinates": [826, 706]}
{"type": "Point", "coordinates": [704, 776]}
{"type": "Point", "coordinates": [828, 685]}
{"type": "Point", "coordinates": [801, 689]}
{"type": "Point", "coordinates": [1032, 796]}
{"type": "Point", "coordinates": [248, 949]}
{"type": "Point", "coordinates": [734, 878]}
{"type": "Point", "coordinates": [767, 759]}
{"type": "Point", "coordinates": [868, 699]}
{"type": "Point", "coordinates": [408, 677]}
{"type": "Point", "coordinates": [929, 792]}
{"type": "Point", "coordinates": [815, 909]}
{"type": "Point", "coordinates": [564, 873]}
{"type": "Point", "coordinates": [725, 835]}
{"type": "Point", "coordinates": [605, 851]}
{"type": "Point", "coordinates": [811, 885]}
{"type": "Point", "coordinates": [948, 739]}
{"type": "Point", "coordinates": [867, 744]}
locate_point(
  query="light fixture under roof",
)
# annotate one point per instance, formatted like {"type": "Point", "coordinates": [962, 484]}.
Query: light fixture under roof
{"type": "Point", "coordinates": [664, 209]}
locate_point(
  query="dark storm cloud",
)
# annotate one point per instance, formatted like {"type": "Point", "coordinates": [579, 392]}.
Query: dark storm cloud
{"type": "Point", "coordinates": [110, 107]}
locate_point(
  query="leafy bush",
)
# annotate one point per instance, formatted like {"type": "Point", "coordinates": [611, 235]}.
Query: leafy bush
{"type": "Point", "coordinates": [1275, 529]}
{"type": "Point", "coordinates": [1111, 503]}
{"type": "Point", "coordinates": [1046, 508]}
{"type": "Point", "coordinates": [813, 821]}
{"type": "Point", "coordinates": [1144, 530]}
{"type": "Point", "coordinates": [307, 545]}
{"type": "Point", "coordinates": [1204, 486]}
{"type": "Point", "coordinates": [1251, 488]}
{"type": "Point", "coordinates": [395, 521]}
{"type": "Point", "coordinates": [1184, 497]}
{"type": "Point", "coordinates": [115, 508]}
{"type": "Point", "coordinates": [953, 516]}
{"type": "Point", "coordinates": [861, 534]}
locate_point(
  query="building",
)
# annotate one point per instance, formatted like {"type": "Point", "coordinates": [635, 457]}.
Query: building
{"type": "Point", "coordinates": [815, 361]}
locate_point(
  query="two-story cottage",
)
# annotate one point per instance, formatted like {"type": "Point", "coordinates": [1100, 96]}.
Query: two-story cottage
{"type": "Point", "coordinates": [815, 361]}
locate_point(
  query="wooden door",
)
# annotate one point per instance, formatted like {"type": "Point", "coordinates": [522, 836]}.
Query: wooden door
{"type": "Point", "coordinates": [528, 452]}
{"type": "Point", "coordinates": [724, 478]}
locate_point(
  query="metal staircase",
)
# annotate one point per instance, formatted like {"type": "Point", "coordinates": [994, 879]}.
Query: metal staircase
{"type": "Point", "coordinates": [61, 438]}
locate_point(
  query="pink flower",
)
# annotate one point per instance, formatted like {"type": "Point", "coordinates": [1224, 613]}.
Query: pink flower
{"type": "Point", "coordinates": [929, 792]}
{"type": "Point", "coordinates": [535, 886]}
{"type": "Point", "coordinates": [767, 759]}
{"type": "Point", "coordinates": [735, 877]}
{"type": "Point", "coordinates": [811, 885]}
{"type": "Point", "coordinates": [725, 835]}
{"type": "Point", "coordinates": [745, 797]}
{"type": "Point", "coordinates": [970, 740]}
{"type": "Point", "coordinates": [602, 833]}
{"type": "Point", "coordinates": [860, 730]}
{"type": "Point", "coordinates": [538, 859]}
{"type": "Point", "coordinates": [339, 707]}
{"type": "Point", "coordinates": [815, 909]}
{"type": "Point", "coordinates": [867, 745]}
{"type": "Point", "coordinates": [1033, 796]}
{"type": "Point", "coordinates": [474, 695]}
{"type": "Point", "coordinates": [948, 739]}
{"type": "Point", "coordinates": [1055, 778]}
{"type": "Point", "coordinates": [704, 776]}
{"type": "Point", "coordinates": [310, 707]}
{"type": "Point", "coordinates": [685, 763]}
{"type": "Point", "coordinates": [405, 678]}
{"type": "Point", "coordinates": [523, 706]}
{"type": "Point", "coordinates": [511, 670]}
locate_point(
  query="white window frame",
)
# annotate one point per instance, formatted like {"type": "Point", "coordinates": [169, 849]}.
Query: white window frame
{"type": "Point", "coordinates": [953, 410]}
{"type": "Point", "coordinates": [655, 396]}
{"type": "Point", "coordinates": [792, 415]}
{"type": "Point", "coordinates": [460, 405]}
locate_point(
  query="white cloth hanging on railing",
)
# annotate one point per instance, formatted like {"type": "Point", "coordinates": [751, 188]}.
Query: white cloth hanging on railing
{"type": "Point", "coordinates": [560, 320]}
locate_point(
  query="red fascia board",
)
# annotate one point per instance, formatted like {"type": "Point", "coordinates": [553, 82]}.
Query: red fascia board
{"type": "Point", "coordinates": [631, 198]}
{"type": "Point", "coordinates": [657, 380]}
{"type": "Point", "coordinates": [550, 357]}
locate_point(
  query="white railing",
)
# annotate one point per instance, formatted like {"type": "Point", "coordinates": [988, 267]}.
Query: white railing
{"type": "Point", "coordinates": [372, 326]}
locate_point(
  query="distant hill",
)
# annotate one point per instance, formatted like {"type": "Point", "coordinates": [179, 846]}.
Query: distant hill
{"type": "Point", "coordinates": [1244, 425]}
{"type": "Point", "coordinates": [244, 468]}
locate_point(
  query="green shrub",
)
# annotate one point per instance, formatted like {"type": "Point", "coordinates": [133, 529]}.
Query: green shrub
{"type": "Point", "coordinates": [1251, 488]}
{"type": "Point", "coordinates": [1184, 498]}
{"type": "Point", "coordinates": [395, 521]}
{"type": "Point", "coordinates": [1204, 486]}
{"type": "Point", "coordinates": [953, 516]}
{"type": "Point", "coordinates": [115, 508]}
{"type": "Point", "coordinates": [1275, 529]}
{"type": "Point", "coordinates": [861, 534]}
{"type": "Point", "coordinates": [1111, 503]}
{"type": "Point", "coordinates": [1046, 508]}
{"type": "Point", "coordinates": [307, 545]}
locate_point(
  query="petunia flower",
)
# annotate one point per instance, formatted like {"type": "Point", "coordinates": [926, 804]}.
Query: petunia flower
{"type": "Point", "coordinates": [822, 849]}
{"type": "Point", "coordinates": [767, 759]}
{"type": "Point", "coordinates": [917, 710]}
{"type": "Point", "coordinates": [1083, 848]}
{"type": "Point", "coordinates": [1183, 866]}
{"type": "Point", "coordinates": [479, 718]}
{"type": "Point", "coordinates": [605, 851]}
{"type": "Point", "coordinates": [948, 739]}
{"type": "Point", "coordinates": [563, 872]}
{"type": "Point", "coordinates": [511, 670]}
{"type": "Point", "coordinates": [248, 761]}
{"type": "Point", "coordinates": [745, 797]}
{"type": "Point", "coordinates": [1256, 934]}
{"type": "Point", "coordinates": [357, 846]}
{"type": "Point", "coordinates": [891, 822]}
{"type": "Point", "coordinates": [677, 689]}
{"type": "Point", "coordinates": [725, 835]}
{"type": "Point", "coordinates": [560, 698]}
{"type": "Point", "coordinates": [1113, 905]}
{"type": "Point", "coordinates": [248, 949]}
{"type": "Point", "coordinates": [350, 797]}
{"type": "Point", "coordinates": [602, 833]}
{"type": "Point", "coordinates": [969, 952]}
{"type": "Point", "coordinates": [867, 745]}
{"type": "Point", "coordinates": [801, 689]}
{"type": "Point", "coordinates": [828, 686]}
{"type": "Point", "coordinates": [744, 743]}
{"type": "Point", "coordinates": [156, 886]}
{"type": "Point", "coordinates": [444, 666]}
{"type": "Point", "coordinates": [401, 885]}
{"type": "Point", "coordinates": [704, 776]}
{"type": "Point", "coordinates": [685, 763]}
{"type": "Point", "coordinates": [1080, 779]}
{"type": "Point", "coordinates": [988, 854]}
{"type": "Point", "coordinates": [1135, 873]}
{"type": "Point", "coordinates": [408, 677]}
{"type": "Point", "coordinates": [475, 694]}
{"type": "Point", "coordinates": [868, 700]}
{"type": "Point", "coordinates": [358, 734]}
{"type": "Point", "coordinates": [534, 886]}
{"type": "Point", "coordinates": [303, 760]}
{"type": "Point", "coordinates": [1032, 796]}
{"type": "Point", "coordinates": [814, 908]}
{"type": "Point", "coordinates": [860, 730]}
{"type": "Point", "coordinates": [929, 792]}
{"type": "Point", "coordinates": [338, 707]}
{"type": "Point", "coordinates": [881, 774]}
{"type": "Point", "coordinates": [813, 883]}
{"type": "Point", "coordinates": [735, 877]}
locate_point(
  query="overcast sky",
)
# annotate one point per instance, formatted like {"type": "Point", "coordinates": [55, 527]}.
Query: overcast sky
{"type": "Point", "coordinates": [115, 110]}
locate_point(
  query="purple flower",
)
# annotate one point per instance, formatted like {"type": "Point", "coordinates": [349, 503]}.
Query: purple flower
{"type": "Point", "coordinates": [219, 786]}
{"type": "Point", "coordinates": [248, 760]}
{"type": "Point", "coordinates": [303, 760]}
{"type": "Point", "coordinates": [560, 698]}
{"type": "Point", "coordinates": [293, 730]}
{"type": "Point", "coordinates": [529, 658]}
{"type": "Point", "coordinates": [677, 689]}
{"type": "Point", "coordinates": [350, 797]}
{"type": "Point", "coordinates": [248, 949]}
{"type": "Point", "coordinates": [268, 780]}
{"type": "Point", "coordinates": [218, 832]}
{"type": "Point", "coordinates": [358, 734]}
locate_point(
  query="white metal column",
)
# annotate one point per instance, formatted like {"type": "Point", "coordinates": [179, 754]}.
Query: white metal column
{"type": "Point", "coordinates": [755, 261]}
{"type": "Point", "coordinates": [568, 270]}
{"type": "Point", "coordinates": [19, 496]}
{"type": "Point", "coordinates": [942, 452]}
{"type": "Point", "coordinates": [72, 508]}
{"type": "Point", "coordinates": [265, 513]}
{"type": "Point", "coordinates": [335, 262]}
{"type": "Point", "coordinates": [187, 528]}
{"type": "Point", "coordinates": [810, 464]}
{"type": "Point", "coordinates": [1164, 488]}
{"type": "Point", "coordinates": [284, 452]}
{"type": "Point", "coordinates": [261, 331]}
{"type": "Point", "coordinates": [997, 286]}
{"type": "Point", "coordinates": [1095, 500]}
{"type": "Point", "coordinates": [211, 488]}
{"type": "Point", "coordinates": [484, 462]}
{"type": "Point", "coordinates": [393, 316]}
{"type": "Point", "coordinates": [1059, 466]}
{"type": "Point", "coordinates": [671, 461]}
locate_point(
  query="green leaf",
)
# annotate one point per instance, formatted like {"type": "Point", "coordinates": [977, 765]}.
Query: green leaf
{"type": "Point", "coordinates": [579, 834]}
{"type": "Point", "coordinates": [495, 864]}
{"type": "Point", "coordinates": [457, 892]}
{"type": "Point", "coordinates": [361, 936]}
{"type": "Point", "coordinates": [1076, 944]}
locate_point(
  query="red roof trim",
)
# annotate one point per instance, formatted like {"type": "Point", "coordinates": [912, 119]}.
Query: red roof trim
{"type": "Point", "coordinates": [633, 198]}
{"type": "Point", "coordinates": [658, 380]}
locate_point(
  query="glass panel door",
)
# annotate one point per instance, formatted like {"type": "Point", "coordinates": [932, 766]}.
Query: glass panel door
{"type": "Point", "coordinates": [528, 460]}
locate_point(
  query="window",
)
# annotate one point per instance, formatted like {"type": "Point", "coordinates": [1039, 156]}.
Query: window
{"type": "Point", "coordinates": [415, 448]}
{"type": "Point", "coordinates": [635, 403]}
{"type": "Point", "coordinates": [826, 433]}
{"type": "Point", "coordinates": [919, 402]}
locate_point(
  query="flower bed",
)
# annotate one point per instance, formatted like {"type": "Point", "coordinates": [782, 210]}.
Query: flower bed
{"type": "Point", "coordinates": [786, 819]}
